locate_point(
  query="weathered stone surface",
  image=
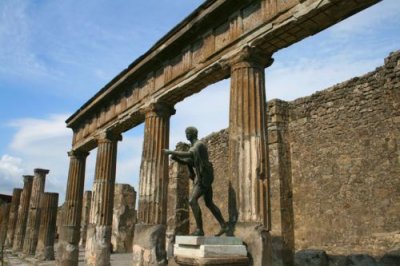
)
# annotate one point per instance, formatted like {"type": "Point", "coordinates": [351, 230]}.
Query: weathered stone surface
{"type": "Point", "coordinates": [344, 141]}
{"type": "Point", "coordinates": [196, 54]}
{"type": "Point", "coordinates": [98, 245]}
{"type": "Point", "coordinates": [347, 158]}
{"type": "Point", "coordinates": [153, 183]}
{"type": "Point", "coordinates": [23, 210]}
{"type": "Point", "coordinates": [124, 218]}
{"type": "Point", "coordinates": [311, 258]}
{"type": "Point", "coordinates": [178, 202]}
{"type": "Point", "coordinates": [4, 215]}
{"type": "Point", "coordinates": [68, 246]}
{"type": "Point", "coordinates": [12, 221]}
{"type": "Point", "coordinates": [33, 222]}
{"type": "Point", "coordinates": [47, 229]}
{"type": "Point", "coordinates": [87, 200]}
{"type": "Point", "coordinates": [258, 242]}
{"type": "Point", "coordinates": [149, 245]}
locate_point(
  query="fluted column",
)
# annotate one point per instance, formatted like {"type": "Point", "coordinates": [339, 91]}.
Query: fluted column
{"type": "Point", "coordinates": [68, 248]}
{"type": "Point", "coordinates": [149, 238]}
{"type": "Point", "coordinates": [249, 197]}
{"type": "Point", "coordinates": [13, 216]}
{"type": "Point", "coordinates": [47, 229]}
{"type": "Point", "coordinates": [153, 184]}
{"type": "Point", "coordinates": [4, 215]}
{"type": "Point", "coordinates": [87, 200]}
{"type": "Point", "coordinates": [23, 210]}
{"type": "Point", "coordinates": [33, 223]}
{"type": "Point", "coordinates": [98, 242]}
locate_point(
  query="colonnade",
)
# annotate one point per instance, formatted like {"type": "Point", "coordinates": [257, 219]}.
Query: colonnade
{"type": "Point", "coordinates": [248, 168]}
{"type": "Point", "coordinates": [30, 226]}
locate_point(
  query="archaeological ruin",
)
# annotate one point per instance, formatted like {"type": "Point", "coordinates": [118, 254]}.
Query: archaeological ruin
{"type": "Point", "coordinates": [314, 181]}
{"type": "Point", "coordinates": [220, 39]}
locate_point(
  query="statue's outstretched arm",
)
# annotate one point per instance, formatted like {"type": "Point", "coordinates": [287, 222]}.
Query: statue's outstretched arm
{"type": "Point", "coordinates": [186, 161]}
{"type": "Point", "coordinates": [181, 154]}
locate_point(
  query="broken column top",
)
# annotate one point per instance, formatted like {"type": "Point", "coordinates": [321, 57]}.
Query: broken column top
{"type": "Point", "coordinates": [28, 178]}
{"type": "Point", "coordinates": [41, 171]}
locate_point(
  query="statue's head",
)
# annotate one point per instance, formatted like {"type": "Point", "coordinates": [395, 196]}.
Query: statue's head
{"type": "Point", "coordinates": [191, 132]}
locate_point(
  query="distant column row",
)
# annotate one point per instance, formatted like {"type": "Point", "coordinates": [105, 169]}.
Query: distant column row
{"type": "Point", "coordinates": [28, 226]}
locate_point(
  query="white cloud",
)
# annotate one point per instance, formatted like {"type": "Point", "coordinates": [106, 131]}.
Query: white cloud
{"type": "Point", "coordinates": [42, 143]}
{"type": "Point", "coordinates": [11, 170]}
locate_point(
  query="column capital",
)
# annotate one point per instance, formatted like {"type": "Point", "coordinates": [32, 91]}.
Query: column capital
{"type": "Point", "coordinates": [41, 171]}
{"type": "Point", "coordinates": [251, 57]}
{"type": "Point", "coordinates": [78, 153]}
{"type": "Point", "coordinates": [27, 178]}
{"type": "Point", "coordinates": [158, 109]}
{"type": "Point", "coordinates": [108, 136]}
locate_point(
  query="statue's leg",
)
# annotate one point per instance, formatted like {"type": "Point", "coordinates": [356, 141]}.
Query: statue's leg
{"type": "Point", "coordinates": [193, 201]}
{"type": "Point", "coordinates": [208, 195]}
{"type": "Point", "coordinates": [208, 199]}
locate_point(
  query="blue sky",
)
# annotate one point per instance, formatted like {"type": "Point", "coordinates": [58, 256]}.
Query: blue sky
{"type": "Point", "coordinates": [54, 55]}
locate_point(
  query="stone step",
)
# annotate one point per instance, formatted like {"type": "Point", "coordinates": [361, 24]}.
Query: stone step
{"type": "Point", "coordinates": [210, 251]}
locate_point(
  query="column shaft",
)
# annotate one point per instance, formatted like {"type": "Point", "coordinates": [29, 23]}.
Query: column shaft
{"type": "Point", "coordinates": [87, 200]}
{"type": "Point", "coordinates": [248, 155]}
{"type": "Point", "coordinates": [47, 230]}
{"type": "Point", "coordinates": [68, 249]}
{"type": "Point", "coordinates": [23, 210]}
{"type": "Point", "coordinates": [247, 140]}
{"type": "Point", "coordinates": [153, 184]}
{"type": "Point", "coordinates": [4, 215]}
{"type": "Point", "coordinates": [149, 234]}
{"type": "Point", "coordinates": [33, 223]}
{"type": "Point", "coordinates": [98, 242]}
{"type": "Point", "coordinates": [13, 216]}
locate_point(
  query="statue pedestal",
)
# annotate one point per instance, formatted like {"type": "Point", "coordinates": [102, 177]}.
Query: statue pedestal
{"type": "Point", "coordinates": [200, 250]}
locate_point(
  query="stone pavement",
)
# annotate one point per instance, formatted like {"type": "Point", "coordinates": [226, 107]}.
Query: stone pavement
{"type": "Point", "coordinates": [10, 259]}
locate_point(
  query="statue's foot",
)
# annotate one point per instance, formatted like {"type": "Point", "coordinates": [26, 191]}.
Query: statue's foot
{"type": "Point", "coordinates": [197, 232]}
{"type": "Point", "coordinates": [224, 229]}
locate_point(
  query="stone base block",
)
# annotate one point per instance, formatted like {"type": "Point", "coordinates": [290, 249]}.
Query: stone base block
{"type": "Point", "coordinates": [258, 242]}
{"type": "Point", "coordinates": [228, 261]}
{"type": "Point", "coordinates": [149, 245]}
{"type": "Point", "coordinates": [98, 246]}
{"type": "Point", "coordinates": [194, 250]}
{"type": "Point", "coordinates": [67, 254]}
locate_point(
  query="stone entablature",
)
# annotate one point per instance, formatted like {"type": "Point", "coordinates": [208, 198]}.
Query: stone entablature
{"type": "Point", "coordinates": [197, 53]}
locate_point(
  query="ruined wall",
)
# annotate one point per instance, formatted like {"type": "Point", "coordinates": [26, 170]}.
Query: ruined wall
{"type": "Point", "coordinates": [124, 218]}
{"type": "Point", "coordinates": [335, 167]}
{"type": "Point", "coordinates": [345, 157]}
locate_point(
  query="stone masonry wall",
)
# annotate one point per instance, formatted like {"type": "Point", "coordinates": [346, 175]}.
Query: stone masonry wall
{"type": "Point", "coordinates": [335, 167]}
{"type": "Point", "coordinates": [345, 157]}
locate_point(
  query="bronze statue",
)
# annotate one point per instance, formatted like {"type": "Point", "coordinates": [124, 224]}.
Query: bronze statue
{"type": "Point", "coordinates": [202, 174]}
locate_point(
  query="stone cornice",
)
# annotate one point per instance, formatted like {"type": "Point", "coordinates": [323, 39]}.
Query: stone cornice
{"type": "Point", "coordinates": [201, 51]}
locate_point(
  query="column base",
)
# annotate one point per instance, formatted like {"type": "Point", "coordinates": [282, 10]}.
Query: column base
{"type": "Point", "coordinates": [67, 251]}
{"type": "Point", "coordinates": [98, 245]}
{"type": "Point", "coordinates": [149, 245]}
{"type": "Point", "coordinates": [258, 242]}
{"type": "Point", "coordinates": [67, 254]}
